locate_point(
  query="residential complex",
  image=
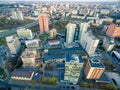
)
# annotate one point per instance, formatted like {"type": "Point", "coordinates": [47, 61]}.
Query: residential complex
{"type": "Point", "coordinates": [60, 45]}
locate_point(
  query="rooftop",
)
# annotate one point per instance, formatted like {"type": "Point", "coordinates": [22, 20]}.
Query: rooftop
{"type": "Point", "coordinates": [94, 62]}
{"type": "Point", "coordinates": [28, 53]}
{"type": "Point", "coordinates": [11, 38]}
{"type": "Point", "coordinates": [22, 73]}
{"type": "Point", "coordinates": [89, 33]}
{"type": "Point", "coordinates": [74, 58]}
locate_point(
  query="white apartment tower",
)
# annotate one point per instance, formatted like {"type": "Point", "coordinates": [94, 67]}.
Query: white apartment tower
{"type": "Point", "coordinates": [17, 15]}
{"type": "Point", "coordinates": [83, 29]}
{"type": "Point", "coordinates": [89, 43]}
{"type": "Point", "coordinates": [70, 32]}
{"type": "Point", "coordinates": [13, 44]}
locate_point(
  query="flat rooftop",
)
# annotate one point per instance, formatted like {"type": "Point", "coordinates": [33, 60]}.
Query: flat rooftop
{"type": "Point", "coordinates": [60, 53]}
{"type": "Point", "coordinates": [74, 58]}
{"type": "Point", "coordinates": [94, 62]}
{"type": "Point", "coordinates": [22, 73]}
{"type": "Point", "coordinates": [11, 38]}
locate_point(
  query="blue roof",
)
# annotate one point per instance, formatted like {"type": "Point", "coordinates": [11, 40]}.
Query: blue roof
{"type": "Point", "coordinates": [94, 62]}
{"type": "Point", "coordinates": [74, 58]}
{"type": "Point", "coordinates": [48, 57]}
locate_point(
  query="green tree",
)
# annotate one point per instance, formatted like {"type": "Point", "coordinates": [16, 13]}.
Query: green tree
{"type": "Point", "coordinates": [110, 87]}
{"type": "Point", "coordinates": [90, 85]}
{"type": "Point", "coordinates": [84, 84]}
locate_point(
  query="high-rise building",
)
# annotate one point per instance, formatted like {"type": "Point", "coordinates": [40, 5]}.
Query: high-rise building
{"type": "Point", "coordinates": [17, 15]}
{"type": "Point", "coordinates": [53, 33]}
{"type": "Point", "coordinates": [29, 57]}
{"type": "Point", "coordinates": [43, 23]}
{"type": "Point", "coordinates": [108, 43]}
{"type": "Point", "coordinates": [89, 43]}
{"type": "Point", "coordinates": [83, 29]}
{"type": "Point", "coordinates": [70, 32]}
{"type": "Point", "coordinates": [73, 67]}
{"type": "Point", "coordinates": [14, 15]}
{"type": "Point", "coordinates": [113, 31]}
{"type": "Point", "coordinates": [94, 69]}
{"type": "Point", "coordinates": [24, 33]}
{"type": "Point", "coordinates": [13, 44]}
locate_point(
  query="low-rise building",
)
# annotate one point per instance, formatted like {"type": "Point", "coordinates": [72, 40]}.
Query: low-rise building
{"type": "Point", "coordinates": [54, 42]}
{"type": "Point", "coordinates": [20, 74]}
{"type": "Point", "coordinates": [32, 43]}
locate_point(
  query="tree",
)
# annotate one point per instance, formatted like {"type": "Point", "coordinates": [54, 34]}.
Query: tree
{"type": "Point", "coordinates": [84, 84]}
{"type": "Point", "coordinates": [110, 87]}
{"type": "Point", "coordinates": [90, 85]}
{"type": "Point", "coordinates": [38, 65]}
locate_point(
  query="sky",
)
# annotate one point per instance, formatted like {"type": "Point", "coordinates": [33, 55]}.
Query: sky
{"type": "Point", "coordinates": [63, 0]}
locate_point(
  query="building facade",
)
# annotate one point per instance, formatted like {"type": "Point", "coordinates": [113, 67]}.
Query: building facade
{"type": "Point", "coordinates": [24, 33]}
{"type": "Point", "coordinates": [43, 23]}
{"type": "Point", "coordinates": [29, 57]}
{"type": "Point", "coordinates": [73, 67]}
{"type": "Point", "coordinates": [94, 69]}
{"type": "Point", "coordinates": [13, 43]}
{"type": "Point", "coordinates": [108, 44]}
{"type": "Point", "coordinates": [17, 15]}
{"type": "Point", "coordinates": [32, 43]}
{"type": "Point", "coordinates": [70, 32]}
{"type": "Point", "coordinates": [83, 29]}
{"type": "Point", "coordinates": [89, 43]}
{"type": "Point", "coordinates": [53, 33]}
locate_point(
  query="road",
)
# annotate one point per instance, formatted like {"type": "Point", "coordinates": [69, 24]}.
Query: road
{"type": "Point", "coordinates": [113, 60]}
{"type": "Point", "coordinates": [8, 32]}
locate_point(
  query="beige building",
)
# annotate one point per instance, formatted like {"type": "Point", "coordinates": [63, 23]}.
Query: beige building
{"type": "Point", "coordinates": [108, 44]}
{"type": "Point", "coordinates": [13, 43]}
{"type": "Point", "coordinates": [94, 69]}
{"type": "Point", "coordinates": [53, 33]}
{"type": "Point", "coordinates": [29, 57]}
{"type": "Point", "coordinates": [24, 33]}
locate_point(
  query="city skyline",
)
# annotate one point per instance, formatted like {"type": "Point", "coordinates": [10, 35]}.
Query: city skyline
{"type": "Point", "coordinates": [69, 0]}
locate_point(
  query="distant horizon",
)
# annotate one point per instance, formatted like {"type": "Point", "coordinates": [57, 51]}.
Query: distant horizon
{"type": "Point", "coordinates": [64, 0]}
